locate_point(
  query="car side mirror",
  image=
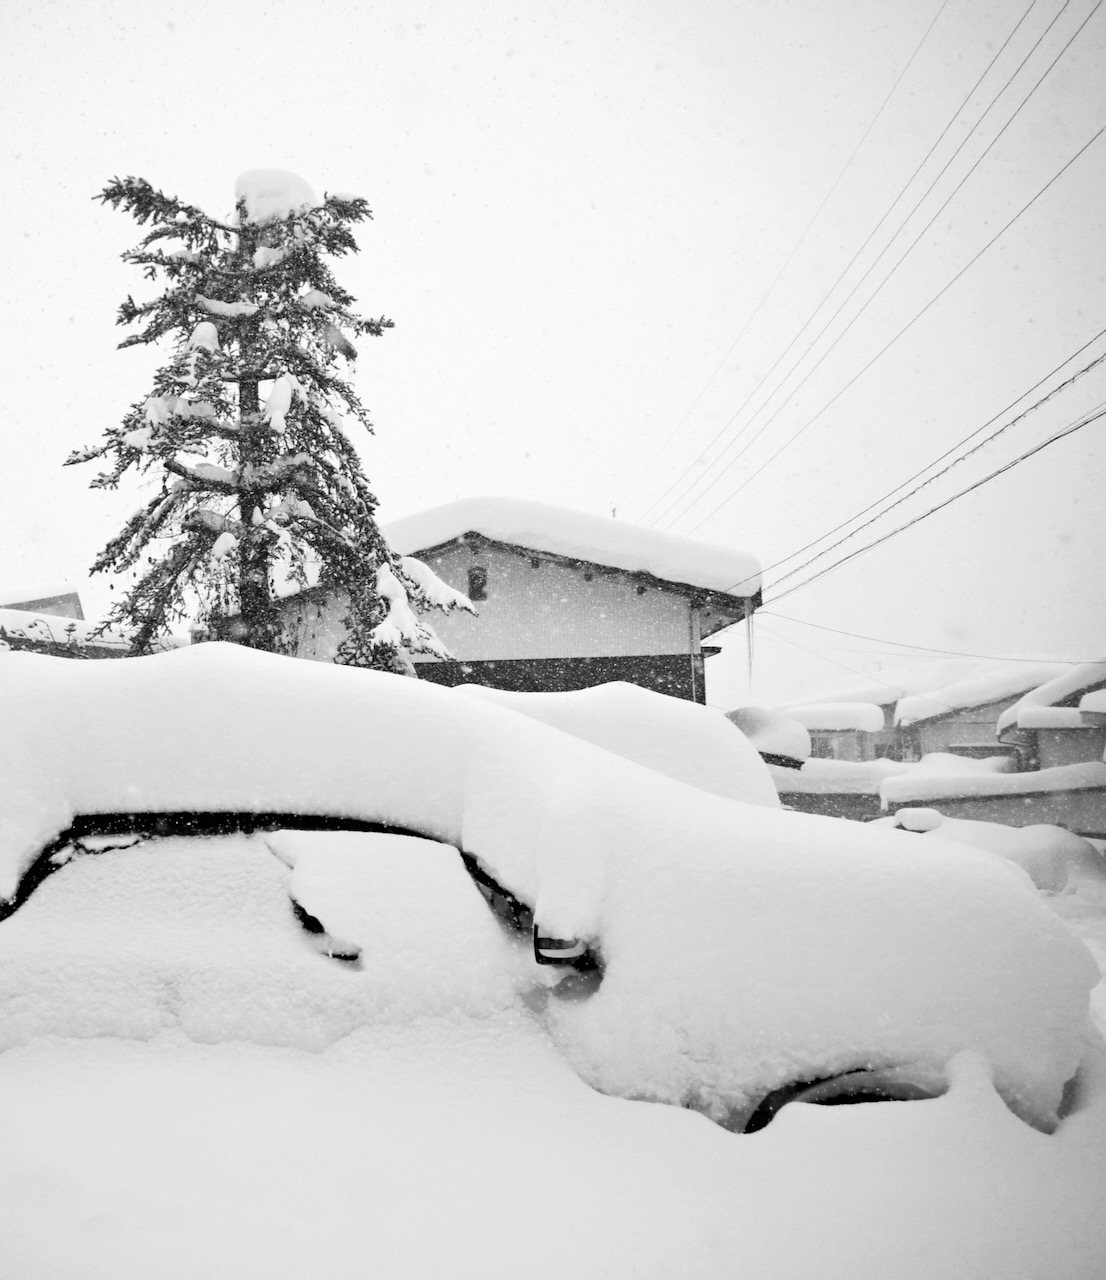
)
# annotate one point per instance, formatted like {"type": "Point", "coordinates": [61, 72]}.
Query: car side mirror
{"type": "Point", "coordinates": [549, 950]}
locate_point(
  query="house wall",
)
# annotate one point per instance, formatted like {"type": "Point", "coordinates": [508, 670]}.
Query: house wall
{"type": "Point", "coordinates": [1083, 812]}
{"type": "Point", "coordinates": [1070, 746]}
{"type": "Point", "coordinates": [968, 730]}
{"type": "Point", "coordinates": [542, 608]}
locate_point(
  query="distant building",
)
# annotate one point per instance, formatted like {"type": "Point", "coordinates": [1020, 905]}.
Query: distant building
{"type": "Point", "coordinates": [564, 600]}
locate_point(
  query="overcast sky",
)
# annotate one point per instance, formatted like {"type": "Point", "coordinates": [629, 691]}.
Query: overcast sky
{"type": "Point", "coordinates": [597, 227]}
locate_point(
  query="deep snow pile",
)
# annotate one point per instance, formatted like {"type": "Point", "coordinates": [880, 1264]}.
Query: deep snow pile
{"type": "Point", "coordinates": [1057, 860]}
{"type": "Point", "coordinates": [744, 947]}
{"type": "Point", "coordinates": [199, 935]}
{"type": "Point", "coordinates": [772, 732]}
{"type": "Point", "coordinates": [681, 739]}
{"type": "Point", "coordinates": [936, 768]}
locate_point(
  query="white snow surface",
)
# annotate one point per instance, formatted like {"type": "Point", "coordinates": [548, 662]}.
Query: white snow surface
{"type": "Point", "coordinates": [539, 526]}
{"type": "Point", "coordinates": [1057, 860]}
{"type": "Point", "coordinates": [1060, 689]}
{"type": "Point", "coordinates": [683, 740]}
{"type": "Point", "coordinates": [772, 732]}
{"type": "Point", "coordinates": [865, 716]}
{"type": "Point", "coordinates": [50, 627]}
{"type": "Point", "coordinates": [866, 776]}
{"type": "Point", "coordinates": [921, 786]}
{"type": "Point", "coordinates": [272, 193]}
{"type": "Point", "coordinates": [744, 947]}
{"type": "Point", "coordinates": [1094, 702]}
{"type": "Point", "coordinates": [985, 682]}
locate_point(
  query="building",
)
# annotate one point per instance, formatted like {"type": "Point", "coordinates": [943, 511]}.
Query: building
{"type": "Point", "coordinates": [565, 600]}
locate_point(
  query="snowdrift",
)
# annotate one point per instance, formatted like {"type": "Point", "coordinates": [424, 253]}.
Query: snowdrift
{"type": "Point", "coordinates": [743, 947]}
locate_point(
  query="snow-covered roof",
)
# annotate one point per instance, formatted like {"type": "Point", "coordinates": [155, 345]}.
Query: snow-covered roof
{"type": "Point", "coordinates": [864, 777]}
{"type": "Point", "coordinates": [832, 716]}
{"type": "Point", "coordinates": [18, 594]}
{"type": "Point", "coordinates": [887, 690]}
{"type": "Point", "coordinates": [985, 682]}
{"type": "Point", "coordinates": [539, 526]}
{"type": "Point", "coordinates": [44, 629]}
{"type": "Point", "coordinates": [1057, 691]}
{"type": "Point", "coordinates": [1033, 717]}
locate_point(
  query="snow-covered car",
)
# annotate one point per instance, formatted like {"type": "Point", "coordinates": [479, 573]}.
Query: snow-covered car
{"type": "Point", "coordinates": [740, 956]}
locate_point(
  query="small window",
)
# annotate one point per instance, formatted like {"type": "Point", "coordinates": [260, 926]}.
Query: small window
{"type": "Point", "coordinates": [478, 583]}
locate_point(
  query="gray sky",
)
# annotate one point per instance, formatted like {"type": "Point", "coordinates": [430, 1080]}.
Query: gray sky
{"type": "Point", "coordinates": [581, 211]}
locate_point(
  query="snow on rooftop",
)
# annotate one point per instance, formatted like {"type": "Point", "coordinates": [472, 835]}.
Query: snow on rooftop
{"type": "Point", "coordinates": [865, 716]}
{"type": "Point", "coordinates": [1063, 688]}
{"type": "Point", "coordinates": [272, 193]}
{"type": "Point", "coordinates": [985, 682]}
{"type": "Point", "coordinates": [16, 594]}
{"type": "Point", "coordinates": [899, 683]}
{"type": "Point", "coordinates": [539, 526]}
{"type": "Point", "coordinates": [1033, 717]}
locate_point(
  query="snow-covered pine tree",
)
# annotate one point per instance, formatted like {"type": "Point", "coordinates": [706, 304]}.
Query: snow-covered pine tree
{"type": "Point", "coordinates": [245, 429]}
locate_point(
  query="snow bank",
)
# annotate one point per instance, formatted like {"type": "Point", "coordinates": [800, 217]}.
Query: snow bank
{"type": "Point", "coordinates": [1060, 689]}
{"type": "Point", "coordinates": [839, 715]}
{"type": "Point", "coordinates": [866, 776]}
{"type": "Point", "coordinates": [541, 527]}
{"type": "Point", "coordinates": [744, 947]}
{"type": "Point", "coordinates": [680, 739]}
{"type": "Point", "coordinates": [1057, 860]}
{"type": "Point", "coordinates": [923, 786]}
{"type": "Point", "coordinates": [984, 683]}
{"type": "Point", "coordinates": [272, 193]}
{"type": "Point", "coordinates": [772, 732]}
{"type": "Point", "coordinates": [1094, 702]}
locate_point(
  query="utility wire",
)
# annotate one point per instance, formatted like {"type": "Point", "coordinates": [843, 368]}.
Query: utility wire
{"type": "Point", "coordinates": [941, 457]}
{"type": "Point", "coordinates": [806, 323]}
{"type": "Point", "coordinates": [853, 671]}
{"type": "Point", "coordinates": [922, 648]}
{"type": "Point", "coordinates": [945, 470]}
{"type": "Point", "coordinates": [790, 257]}
{"type": "Point", "coordinates": [810, 422]}
{"type": "Point", "coordinates": [1094, 416]}
{"type": "Point", "coordinates": [909, 325]}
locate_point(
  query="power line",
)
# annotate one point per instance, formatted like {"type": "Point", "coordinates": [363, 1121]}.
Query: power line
{"type": "Point", "coordinates": [1029, 453]}
{"type": "Point", "coordinates": [922, 648]}
{"type": "Point", "coordinates": [806, 323]}
{"type": "Point", "coordinates": [790, 257]}
{"type": "Point", "coordinates": [810, 422]}
{"type": "Point", "coordinates": [940, 458]}
{"type": "Point", "coordinates": [904, 692]}
{"type": "Point", "coordinates": [944, 470]}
